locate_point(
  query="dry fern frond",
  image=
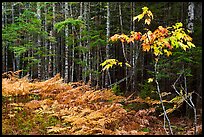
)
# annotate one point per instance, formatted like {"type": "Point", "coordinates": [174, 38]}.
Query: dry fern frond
{"type": "Point", "coordinates": [56, 129]}
{"type": "Point", "coordinates": [33, 104]}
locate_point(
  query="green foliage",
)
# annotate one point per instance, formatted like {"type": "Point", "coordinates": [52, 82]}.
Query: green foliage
{"type": "Point", "coordinates": [146, 129]}
{"type": "Point", "coordinates": [15, 36]}
{"type": "Point", "coordinates": [116, 89]}
{"type": "Point", "coordinates": [70, 21]}
{"type": "Point", "coordinates": [148, 90]}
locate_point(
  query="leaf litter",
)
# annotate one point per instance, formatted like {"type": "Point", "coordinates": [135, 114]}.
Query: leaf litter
{"type": "Point", "coordinates": [74, 108]}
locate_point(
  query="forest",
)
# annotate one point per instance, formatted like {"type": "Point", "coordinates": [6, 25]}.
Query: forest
{"type": "Point", "coordinates": [102, 68]}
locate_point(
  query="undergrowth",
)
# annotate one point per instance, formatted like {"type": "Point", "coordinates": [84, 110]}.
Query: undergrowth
{"type": "Point", "coordinates": [54, 107]}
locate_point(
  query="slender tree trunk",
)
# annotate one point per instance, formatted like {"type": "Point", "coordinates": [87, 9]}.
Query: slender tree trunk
{"type": "Point", "coordinates": [123, 47]}
{"type": "Point", "coordinates": [66, 75]}
{"type": "Point", "coordinates": [160, 97]}
{"type": "Point", "coordinates": [107, 37]}
{"type": "Point", "coordinates": [121, 19]}
{"type": "Point", "coordinates": [54, 68]}
{"type": "Point", "coordinates": [133, 50]}
{"type": "Point", "coordinates": [98, 49]}
{"type": "Point", "coordinates": [6, 44]}
{"type": "Point", "coordinates": [191, 16]}
{"type": "Point", "coordinates": [85, 44]}
{"type": "Point", "coordinates": [39, 41]}
{"type": "Point", "coordinates": [3, 46]}
{"type": "Point", "coordinates": [142, 67]}
{"type": "Point", "coordinates": [50, 70]}
{"type": "Point", "coordinates": [30, 54]}
{"type": "Point", "coordinates": [190, 26]}
{"type": "Point", "coordinates": [62, 45]}
{"type": "Point", "coordinates": [12, 19]}
{"type": "Point", "coordinates": [88, 41]}
{"type": "Point", "coordinates": [46, 44]}
{"type": "Point", "coordinates": [23, 63]}
{"type": "Point", "coordinates": [73, 46]}
{"type": "Point", "coordinates": [51, 65]}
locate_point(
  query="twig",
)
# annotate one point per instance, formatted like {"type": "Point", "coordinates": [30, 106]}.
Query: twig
{"type": "Point", "coordinates": [160, 98]}
{"type": "Point", "coordinates": [191, 104]}
{"type": "Point", "coordinates": [120, 81]}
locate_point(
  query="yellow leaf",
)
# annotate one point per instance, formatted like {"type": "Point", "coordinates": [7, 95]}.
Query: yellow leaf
{"type": "Point", "coordinates": [157, 51]}
{"type": "Point", "coordinates": [145, 9]}
{"type": "Point", "coordinates": [179, 24]}
{"type": "Point", "coordinates": [128, 65]}
{"type": "Point", "coordinates": [147, 21]}
{"type": "Point", "coordinates": [167, 52]}
{"type": "Point", "coordinates": [190, 44]}
{"type": "Point", "coordinates": [183, 46]}
{"type": "Point", "coordinates": [139, 17]}
{"type": "Point", "coordinates": [150, 80]}
{"type": "Point", "coordinates": [149, 13]}
{"type": "Point", "coordinates": [120, 64]}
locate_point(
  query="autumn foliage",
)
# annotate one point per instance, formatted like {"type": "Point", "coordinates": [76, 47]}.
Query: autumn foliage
{"type": "Point", "coordinates": [78, 108]}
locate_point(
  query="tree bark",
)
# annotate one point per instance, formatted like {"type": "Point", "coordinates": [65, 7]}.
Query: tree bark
{"type": "Point", "coordinates": [73, 46]}
{"type": "Point", "coordinates": [191, 16]}
{"type": "Point", "coordinates": [107, 37]}
{"type": "Point", "coordinates": [3, 46]}
{"type": "Point", "coordinates": [66, 73]}
{"type": "Point", "coordinates": [54, 67]}
{"type": "Point", "coordinates": [39, 40]}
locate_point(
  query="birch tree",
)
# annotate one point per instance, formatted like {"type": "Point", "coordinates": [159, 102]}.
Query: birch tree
{"type": "Point", "coordinates": [107, 37]}
{"type": "Point", "coordinates": [39, 39]}
{"type": "Point", "coordinates": [73, 46]}
{"type": "Point", "coordinates": [190, 16]}
{"type": "Point", "coordinates": [46, 42]}
{"type": "Point", "coordinates": [85, 44]}
{"type": "Point", "coordinates": [54, 45]}
{"type": "Point", "coordinates": [3, 45]}
{"type": "Point", "coordinates": [66, 75]}
{"type": "Point", "coordinates": [88, 41]}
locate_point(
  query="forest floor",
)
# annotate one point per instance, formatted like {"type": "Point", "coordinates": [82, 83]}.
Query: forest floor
{"type": "Point", "coordinates": [53, 107]}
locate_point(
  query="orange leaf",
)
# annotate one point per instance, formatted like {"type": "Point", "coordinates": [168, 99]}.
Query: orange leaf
{"type": "Point", "coordinates": [131, 39]}
{"type": "Point", "coordinates": [114, 38]}
{"type": "Point", "coordinates": [122, 40]}
{"type": "Point", "coordinates": [145, 47]}
{"type": "Point", "coordinates": [143, 37]}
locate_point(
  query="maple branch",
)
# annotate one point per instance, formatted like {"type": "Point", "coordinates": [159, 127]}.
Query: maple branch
{"type": "Point", "coordinates": [160, 98]}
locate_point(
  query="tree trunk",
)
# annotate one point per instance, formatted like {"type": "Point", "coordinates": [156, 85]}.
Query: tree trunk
{"type": "Point", "coordinates": [73, 46]}
{"type": "Point", "coordinates": [39, 41]}
{"type": "Point", "coordinates": [88, 42]}
{"type": "Point", "coordinates": [66, 73]}
{"type": "Point", "coordinates": [54, 68]}
{"type": "Point", "coordinates": [12, 19]}
{"type": "Point", "coordinates": [85, 44]}
{"type": "Point", "coordinates": [190, 26]}
{"type": "Point", "coordinates": [6, 44]}
{"type": "Point", "coordinates": [3, 46]}
{"type": "Point", "coordinates": [190, 16]}
{"type": "Point", "coordinates": [46, 44]}
{"type": "Point", "coordinates": [107, 37]}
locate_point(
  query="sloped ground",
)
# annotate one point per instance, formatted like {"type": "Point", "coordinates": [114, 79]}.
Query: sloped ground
{"type": "Point", "coordinates": [54, 107]}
